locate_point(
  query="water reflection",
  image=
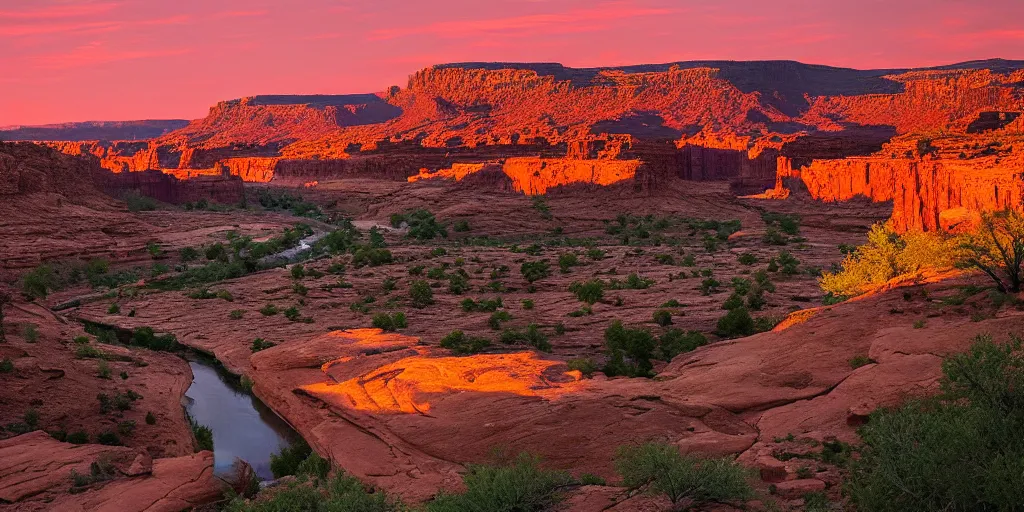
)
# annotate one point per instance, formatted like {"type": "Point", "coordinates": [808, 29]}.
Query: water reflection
{"type": "Point", "coordinates": [243, 427]}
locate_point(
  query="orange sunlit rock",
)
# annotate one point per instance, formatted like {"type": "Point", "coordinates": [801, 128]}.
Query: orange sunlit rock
{"type": "Point", "coordinates": [533, 176]}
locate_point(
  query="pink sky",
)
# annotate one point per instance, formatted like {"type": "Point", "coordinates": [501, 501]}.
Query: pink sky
{"type": "Point", "coordinates": [75, 60]}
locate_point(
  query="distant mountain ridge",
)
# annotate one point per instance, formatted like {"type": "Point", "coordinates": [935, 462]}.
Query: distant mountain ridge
{"type": "Point", "coordinates": [92, 130]}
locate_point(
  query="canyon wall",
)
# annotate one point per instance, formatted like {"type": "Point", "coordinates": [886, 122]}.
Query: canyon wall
{"type": "Point", "coordinates": [545, 125]}
{"type": "Point", "coordinates": [928, 194]}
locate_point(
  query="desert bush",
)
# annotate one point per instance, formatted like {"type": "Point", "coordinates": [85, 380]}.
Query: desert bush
{"type": "Point", "coordinates": [885, 256]}
{"type": "Point", "coordinates": [108, 438]}
{"type": "Point", "coordinates": [973, 426]}
{"type": "Point", "coordinates": [420, 294]}
{"type": "Point", "coordinates": [259, 344]}
{"type": "Point", "coordinates": [371, 256]}
{"type": "Point", "coordinates": [136, 202]}
{"type": "Point", "coordinates": [341, 493]}
{"type": "Point", "coordinates": [461, 226]}
{"type": "Point", "coordinates": [203, 435]}
{"type": "Point", "coordinates": [389, 323]}
{"type": "Point", "coordinates": [535, 270]}
{"type": "Point", "coordinates": [567, 260]}
{"type": "Point", "coordinates": [527, 304]}
{"type": "Point", "coordinates": [629, 351]}
{"type": "Point", "coordinates": [663, 468]}
{"type": "Point", "coordinates": [497, 318]}
{"type": "Point", "coordinates": [458, 282]}
{"type": "Point", "coordinates": [421, 223]}
{"type": "Point", "coordinates": [268, 310]}
{"type": "Point", "coordinates": [147, 338]}
{"type": "Point", "coordinates": [286, 462]}
{"type": "Point", "coordinates": [747, 259]}
{"type": "Point", "coordinates": [588, 291]}
{"type": "Point", "coordinates": [460, 343]}
{"type": "Point", "coordinates": [78, 437]}
{"type": "Point", "coordinates": [997, 249]}
{"type": "Point", "coordinates": [662, 317]}
{"type": "Point", "coordinates": [150, 418]}
{"type": "Point", "coordinates": [30, 332]}
{"type": "Point", "coordinates": [737, 322]}
{"type": "Point", "coordinates": [520, 485]}
{"type": "Point", "coordinates": [103, 369]}
{"type": "Point", "coordinates": [676, 341]}
{"type": "Point", "coordinates": [531, 336]}
{"type": "Point", "coordinates": [6, 365]}
{"type": "Point", "coordinates": [584, 365]}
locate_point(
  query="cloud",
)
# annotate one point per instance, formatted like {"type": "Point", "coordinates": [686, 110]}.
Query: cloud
{"type": "Point", "coordinates": [33, 29]}
{"type": "Point", "coordinates": [238, 14]}
{"type": "Point", "coordinates": [576, 20]}
{"type": "Point", "coordinates": [59, 11]}
{"type": "Point", "coordinates": [97, 53]}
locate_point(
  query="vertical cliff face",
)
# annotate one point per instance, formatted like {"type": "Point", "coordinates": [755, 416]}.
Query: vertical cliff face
{"type": "Point", "coordinates": [921, 190]}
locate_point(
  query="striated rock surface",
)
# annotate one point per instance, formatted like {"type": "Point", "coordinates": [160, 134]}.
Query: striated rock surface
{"type": "Point", "coordinates": [35, 474]}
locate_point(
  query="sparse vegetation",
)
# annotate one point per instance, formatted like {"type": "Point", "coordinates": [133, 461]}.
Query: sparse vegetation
{"type": "Point", "coordinates": [972, 426]}
{"type": "Point", "coordinates": [663, 468]}
{"type": "Point", "coordinates": [259, 344]}
{"type": "Point", "coordinates": [421, 294]}
{"type": "Point", "coordinates": [885, 256]}
{"type": "Point", "coordinates": [390, 323]}
{"type": "Point", "coordinates": [534, 271]}
{"type": "Point", "coordinates": [460, 343]}
{"type": "Point", "coordinates": [997, 249]}
{"type": "Point", "coordinates": [520, 485]}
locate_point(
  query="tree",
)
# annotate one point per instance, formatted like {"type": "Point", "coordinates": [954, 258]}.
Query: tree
{"type": "Point", "coordinates": [997, 248]}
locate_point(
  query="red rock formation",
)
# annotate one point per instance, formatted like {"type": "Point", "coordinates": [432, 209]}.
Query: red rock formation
{"type": "Point", "coordinates": [534, 176]}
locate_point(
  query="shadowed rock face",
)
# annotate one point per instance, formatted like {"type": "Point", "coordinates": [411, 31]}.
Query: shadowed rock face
{"type": "Point", "coordinates": [93, 130]}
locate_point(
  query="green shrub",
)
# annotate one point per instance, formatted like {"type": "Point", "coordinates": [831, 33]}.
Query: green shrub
{"type": "Point", "coordinates": [527, 304]}
{"type": "Point", "coordinates": [588, 291]}
{"type": "Point", "coordinates": [520, 486]}
{"type": "Point", "coordinates": [629, 351]}
{"type": "Point", "coordinates": [103, 370]}
{"type": "Point", "coordinates": [109, 438]}
{"type": "Point", "coordinates": [494, 322]}
{"type": "Point", "coordinates": [79, 437]}
{"type": "Point", "coordinates": [534, 271]}
{"type": "Point", "coordinates": [586, 366]}
{"type": "Point", "coordinates": [422, 224]}
{"type": "Point", "coordinates": [420, 294]}
{"type": "Point", "coordinates": [997, 249]}
{"type": "Point", "coordinates": [259, 344]}
{"type": "Point", "coordinates": [596, 254]}
{"type": "Point", "coordinates": [566, 261]}
{"type": "Point", "coordinates": [114, 309]}
{"type": "Point", "coordinates": [662, 317]}
{"type": "Point", "coordinates": [342, 493]}
{"type": "Point", "coordinates": [6, 365]}
{"type": "Point", "coordinates": [959, 451]}
{"type": "Point", "coordinates": [747, 259]}
{"type": "Point", "coordinates": [734, 301]}
{"type": "Point", "coordinates": [389, 323]}
{"type": "Point", "coordinates": [532, 336]}
{"type": "Point", "coordinates": [461, 226]}
{"type": "Point", "coordinates": [709, 286]}
{"type": "Point", "coordinates": [236, 314]}
{"type": "Point", "coordinates": [679, 477]}
{"type": "Point", "coordinates": [136, 202]}
{"type": "Point", "coordinates": [203, 436]}
{"type": "Point", "coordinates": [187, 254]}
{"type": "Point", "coordinates": [150, 418]}
{"type": "Point", "coordinates": [737, 322]}
{"type": "Point", "coordinates": [126, 428]}
{"type": "Point", "coordinates": [371, 256]}
{"type": "Point", "coordinates": [298, 271]}
{"type": "Point", "coordinates": [483, 305]}
{"type": "Point", "coordinates": [675, 341]}
{"type": "Point", "coordinates": [461, 344]}
{"type": "Point", "coordinates": [859, 360]}
{"type": "Point", "coordinates": [30, 332]}
{"type": "Point", "coordinates": [147, 338]}
{"type": "Point", "coordinates": [287, 461]}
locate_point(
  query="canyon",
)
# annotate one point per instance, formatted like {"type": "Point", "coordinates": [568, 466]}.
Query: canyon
{"type": "Point", "coordinates": [667, 186]}
{"type": "Point", "coordinates": [755, 125]}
